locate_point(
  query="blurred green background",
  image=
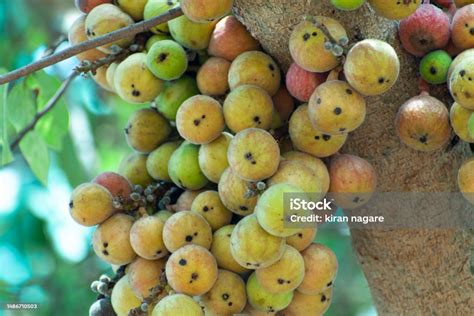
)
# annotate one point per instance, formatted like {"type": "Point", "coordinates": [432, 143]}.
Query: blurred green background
{"type": "Point", "coordinates": [45, 257]}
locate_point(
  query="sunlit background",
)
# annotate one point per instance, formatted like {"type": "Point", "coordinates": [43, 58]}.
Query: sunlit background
{"type": "Point", "coordinates": [45, 257]}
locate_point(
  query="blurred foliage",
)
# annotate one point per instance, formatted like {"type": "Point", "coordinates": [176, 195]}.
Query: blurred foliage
{"type": "Point", "coordinates": [40, 246]}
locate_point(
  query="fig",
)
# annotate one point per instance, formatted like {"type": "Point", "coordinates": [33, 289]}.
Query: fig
{"type": "Point", "coordinates": [183, 167]}
{"type": "Point", "coordinates": [200, 119]}
{"type": "Point", "coordinates": [462, 27]}
{"type": "Point", "coordinates": [177, 304]}
{"type": "Point", "coordinates": [209, 206]}
{"type": "Point", "coordinates": [248, 106]}
{"type": "Point", "coordinates": [467, 54]}
{"type": "Point", "coordinates": [158, 7]}
{"type": "Point", "coordinates": [394, 9]}
{"type": "Point", "coordinates": [308, 139]}
{"type": "Point", "coordinates": [146, 237]}
{"type": "Point", "coordinates": [353, 181]}
{"type": "Point", "coordinates": [303, 304]}
{"type": "Point", "coordinates": [335, 108]}
{"type": "Point", "coordinates": [303, 239]}
{"type": "Point", "coordinates": [434, 67]}
{"type": "Point", "coordinates": [174, 94]}
{"type": "Point", "coordinates": [466, 180]}
{"type": "Point", "coordinates": [190, 34]}
{"type": "Point", "coordinates": [317, 165]}
{"type": "Point", "coordinates": [221, 250]}
{"type": "Point", "coordinates": [213, 157]}
{"type": "Point", "coordinates": [320, 269]}
{"type": "Point", "coordinates": [307, 44]}
{"type": "Point", "coordinates": [212, 76]}
{"type": "Point", "coordinates": [146, 130]}
{"type": "Point", "coordinates": [283, 104]}
{"type": "Point", "coordinates": [144, 275]}
{"type": "Point", "coordinates": [191, 270]}
{"type": "Point", "coordinates": [253, 154]}
{"type": "Point", "coordinates": [230, 39]}
{"type": "Point", "coordinates": [459, 117]}
{"type": "Point", "coordinates": [157, 161]}
{"type": "Point", "coordinates": [201, 11]}
{"type": "Point", "coordinates": [233, 192]}
{"type": "Point", "coordinates": [77, 34]}
{"type": "Point", "coordinates": [372, 67]}
{"type": "Point", "coordinates": [185, 228]}
{"type": "Point", "coordinates": [87, 5]}
{"type": "Point", "coordinates": [424, 31]}
{"type": "Point", "coordinates": [90, 204]}
{"type": "Point", "coordinates": [133, 167]}
{"type": "Point", "coordinates": [347, 5]}
{"type": "Point", "coordinates": [461, 84]}
{"type": "Point", "coordinates": [301, 83]}
{"type": "Point", "coordinates": [255, 68]}
{"type": "Point", "coordinates": [264, 300]}
{"type": "Point", "coordinates": [422, 123]}
{"type": "Point", "coordinates": [123, 299]}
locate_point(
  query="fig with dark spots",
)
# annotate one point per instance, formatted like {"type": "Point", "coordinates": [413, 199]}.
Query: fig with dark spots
{"type": "Point", "coordinates": [179, 230]}
{"type": "Point", "coordinates": [231, 301]}
{"type": "Point", "coordinates": [395, 9]}
{"type": "Point", "coordinates": [154, 8]}
{"type": "Point", "coordinates": [424, 31]}
{"type": "Point", "coordinates": [248, 106]}
{"type": "Point", "coordinates": [265, 154]}
{"type": "Point", "coordinates": [462, 27]}
{"type": "Point", "coordinates": [212, 77]}
{"type": "Point", "coordinates": [337, 109]}
{"type": "Point", "coordinates": [210, 206]}
{"type": "Point", "coordinates": [309, 139]}
{"type": "Point", "coordinates": [200, 119]}
{"type": "Point", "coordinates": [351, 176]}
{"type": "Point", "coordinates": [192, 35]}
{"type": "Point", "coordinates": [115, 232]}
{"type": "Point", "coordinates": [423, 123]}
{"type": "Point", "coordinates": [167, 60]}
{"type": "Point", "coordinates": [251, 68]}
{"type": "Point", "coordinates": [91, 204]}
{"type": "Point", "coordinates": [213, 157]}
{"type": "Point", "coordinates": [309, 51]}
{"type": "Point", "coordinates": [285, 275]}
{"type": "Point", "coordinates": [263, 300]}
{"type": "Point", "coordinates": [201, 268]}
{"type": "Point", "coordinates": [201, 11]}
{"type": "Point", "coordinates": [134, 83]}
{"type": "Point", "coordinates": [304, 304]}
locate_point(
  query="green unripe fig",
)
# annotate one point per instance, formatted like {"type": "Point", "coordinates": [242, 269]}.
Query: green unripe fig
{"type": "Point", "coordinates": [158, 7]}
{"type": "Point", "coordinates": [347, 5]}
{"type": "Point", "coordinates": [174, 94]}
{"type": "Point", "coordinates": [133, 7]}
{"type": "Point", "coordinates": [184, 169]}
{"type": "Point", "coordinates": [156, 38]}
{"type": "Point", "coordinates": [263, 300]}
{"type": "Point", "coordinates": [167, 60]}
{"type": "Point", "coordinates": [146, 130]}
{"type": "Point", "coordinates": [133, 167]}
{"type": "Point", "coordinates": [434, 67]}
{"type": "Point", "coordinates": [157, 161]}
{"type": "Point", "coordinates": [192, 35]}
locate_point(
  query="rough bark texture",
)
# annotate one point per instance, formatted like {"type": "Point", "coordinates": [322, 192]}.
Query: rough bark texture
{"type": "Point", "coordinates": [410, 272]}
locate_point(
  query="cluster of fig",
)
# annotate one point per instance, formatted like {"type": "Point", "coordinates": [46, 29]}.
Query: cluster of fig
{"type": "Point", "coordinates": [444, 40]}
{"type": "Point", "coordinates": [194, 219]}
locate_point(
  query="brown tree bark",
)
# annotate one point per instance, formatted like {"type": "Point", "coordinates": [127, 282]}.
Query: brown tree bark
{"type": "Point", "coordinates": [410, 272]}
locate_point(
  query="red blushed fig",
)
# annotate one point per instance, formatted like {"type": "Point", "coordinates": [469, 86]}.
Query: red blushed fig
{"type": "Point", "coordinates": [353, 181]}
{"type": "Point", "coordinates": [117, 184]}
{"type": "Point", "coordinates": [462, 27]}
{"type": "Point", "coordinates": [425, 30]}
{"type": "Point", "coordinates": [283, 103]}
{"type": "Point", "coordinates": [230, 38]}
{"type": "Point", "coordinates": [87, 5]}
{"type": "Point", "coordinates": [302, 83]}
{"type": "Point", "coordinates": [423, 123]}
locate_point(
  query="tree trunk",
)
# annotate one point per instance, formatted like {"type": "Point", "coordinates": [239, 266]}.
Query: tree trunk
{"type": "Point", "coordinates": [410, 272]}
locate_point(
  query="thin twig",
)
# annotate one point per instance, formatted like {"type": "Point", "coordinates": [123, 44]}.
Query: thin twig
{"type": "Point", "coordinates": [49, 106]}
{"type": "Point", "coordinates": [52, 48]}
{"type": "Point", "coordinates": [128, 31]}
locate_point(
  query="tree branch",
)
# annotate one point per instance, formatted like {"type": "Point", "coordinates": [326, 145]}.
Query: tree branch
{"type": "Point", "coordinates": [49, 106]}
{"type": "Point", "coordinates": [128, 31]}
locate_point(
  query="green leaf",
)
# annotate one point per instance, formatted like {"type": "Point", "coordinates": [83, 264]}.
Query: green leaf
{"type": "Point", "coordinates": [7, 156]}
{"type": "Point", "coordinates": [470, 126]}
{"type": "Point", "coordinates": [35, 151]}
{"type": "Point", "coordinates": [54, 125]}
{"type": "Point", "coordinates": [21, 106]}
